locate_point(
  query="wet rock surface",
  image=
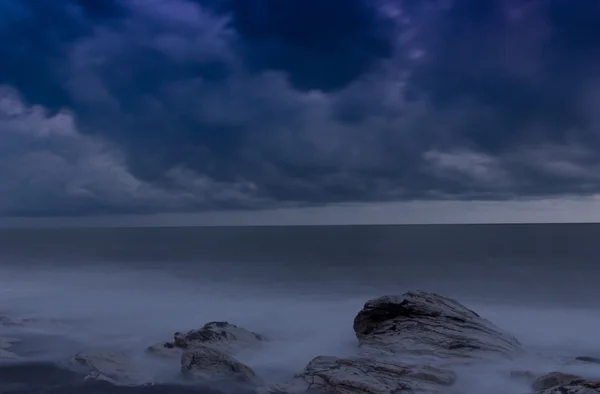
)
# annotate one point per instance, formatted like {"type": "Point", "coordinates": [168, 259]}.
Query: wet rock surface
{"type": "Point", "coordinates": [564, 383]}
{"type": "Point", "coordinates": [111, 366]}
{"type": "Point", "coordinates": [207, 364]}
{"type": "Point", "coordinates": [326, 374]}
{"type": "Point", "coordinates": [424, 323]}
{"type": "Point", "coordinates": [219, 335]}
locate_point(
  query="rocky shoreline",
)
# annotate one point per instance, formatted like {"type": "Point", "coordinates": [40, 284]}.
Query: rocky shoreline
{"type": "Point", "coordinates": [405, 344]}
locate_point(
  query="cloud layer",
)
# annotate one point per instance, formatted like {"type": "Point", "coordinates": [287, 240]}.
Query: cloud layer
{"type": "Point", "coordinates": [192, 105]}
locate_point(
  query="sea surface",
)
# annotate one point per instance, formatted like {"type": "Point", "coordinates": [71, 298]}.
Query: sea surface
{"type": "Point", "coordinates": [127, 288]}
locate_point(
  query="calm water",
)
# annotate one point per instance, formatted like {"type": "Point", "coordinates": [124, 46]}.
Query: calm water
{"type": "Point", "coordinates": [532, 263]}
{"type": "Point", "coordinates": [301, 286]}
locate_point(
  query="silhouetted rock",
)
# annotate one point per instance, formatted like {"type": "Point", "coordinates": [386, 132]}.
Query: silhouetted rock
{"type": "Point", "coordinates": [424, 323]}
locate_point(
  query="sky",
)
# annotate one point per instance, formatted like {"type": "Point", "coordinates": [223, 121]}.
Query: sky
{"type": "Point", "coordinates": [299, 111]}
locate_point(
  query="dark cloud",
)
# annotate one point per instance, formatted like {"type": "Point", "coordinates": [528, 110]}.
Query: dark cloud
{"type": "Point", "coordinates": [530, 61]}
{"type": "Point", "coordinates": [319, 44]}
{"type": "Point", "coordinates": [213, 104]}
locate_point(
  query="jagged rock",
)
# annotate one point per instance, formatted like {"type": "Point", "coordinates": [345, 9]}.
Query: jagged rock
{"type": "Point", "coordinates": [219, 335]}
{"type": "Point", "coordinates": [424, 323]}
{"type": "Point", "coordinates": [204, 363]}
{"type": "Point", "coordinates": [582, 387]}
{"type": "Point", "coordinates": [114, 367]}
{"type": "Point", "coordinates": [326, 374]}
{"type": "Point", "coordinates": [564, 383]}
{"type": "Point", "coordinates": [554, 379]}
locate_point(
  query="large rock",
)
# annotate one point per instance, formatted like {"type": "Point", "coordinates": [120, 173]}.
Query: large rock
{"type": "Point", "coordinates": [326, 374]}
{"type": "Point", "coordinates": [207, 364]}
{"type": "Point", "coordinates": [424, 323]}
{"type": "Point", "coordinates": [114, 367]}
{"type": "Point", "coordinates": [206, 354]}
{"type": "Point", "coordinates": [563, 383]}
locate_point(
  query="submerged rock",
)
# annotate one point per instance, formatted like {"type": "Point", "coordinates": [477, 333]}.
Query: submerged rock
{"type": "Point", "coordinates": [207, 364]}
{"type": "Point", "coordinates": [424, 323]}
{"type": "Point", "coordinates": [224, 336]}
{"type": "Point", "coordinates": [113, 367]}
{"type": "Point", "coordinates": [326, 374]}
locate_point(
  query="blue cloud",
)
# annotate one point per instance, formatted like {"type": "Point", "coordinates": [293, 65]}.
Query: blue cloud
{"type": "Point", "coordinates": [207, 104]}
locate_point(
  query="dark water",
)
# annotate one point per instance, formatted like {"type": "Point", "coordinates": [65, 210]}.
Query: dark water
{"type": "Point", "coordinates": [558, 263]}
{"type": "Point", "coordinates": [127, 288]}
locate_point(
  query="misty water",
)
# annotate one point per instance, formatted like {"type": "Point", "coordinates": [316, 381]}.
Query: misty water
{"type": "Point", "coordinates": [300, 286]}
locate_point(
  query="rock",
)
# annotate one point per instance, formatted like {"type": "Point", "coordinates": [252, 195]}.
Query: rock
{"type": "Point", "coordinates": [204, 363]}
{"type": "Point", "coordinates": [554, 379]}
{"type": "Point", "coordinates": [563, 383]}
{"type": "Point", "coordinates": [328, 374]}
{"type": "Point", "coordinates": [583, 387]}
{"type": "Point", "coordinates": [114, 367]}
{"type": "Point", "coordinates": [424, 323]}
{"type": "Point", "coordinates": [219, 335]}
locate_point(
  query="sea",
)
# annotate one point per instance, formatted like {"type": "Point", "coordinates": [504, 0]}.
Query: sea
{"type": "Point", "coordinates": [85, 289]}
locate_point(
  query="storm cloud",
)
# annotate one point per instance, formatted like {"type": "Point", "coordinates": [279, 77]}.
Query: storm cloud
{"type": "Point", "coordinates": [144, 106]}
